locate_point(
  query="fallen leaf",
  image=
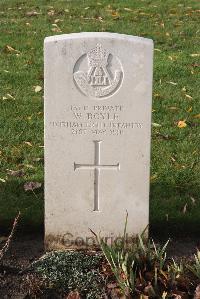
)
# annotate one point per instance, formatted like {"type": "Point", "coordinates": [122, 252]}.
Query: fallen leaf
{"type": "Point", "coordinates": [164, 295]}
{"type": "Point", "coordinates": [29, 166]}
{"type": "Point", "coordinates": [144, 14]}
{"type": "Point", "coordinates": [112, 285]}
{"type": "Point", "coordinates": [156, 125]}
{"type": "Point", "coordinates": [182, 124]}
{"type": "Point", "coordinates": [185, 208]}
{"type": "Point", "coordinates": [115, 13]}
{"type": "Point", "coordinates": [193, 200]}
{"type": "Point", "coordinates": [32, 13]}
{"type": "Point", "coordinates": [197, 292]}
{"type": "Point", "coordinates": [38, 88]}
{"type": "Point", "coordinates": [184, 89]}
{"type": "Point", "coordinates": [156, 95]}
{"type": "Point", "coordinates": [173, 108]}
{"type": "Point", "coordinates": [164, 137]}
{"type": "Point", "coordinates": [28, 143]}
{"type": "Point", "coordinates": [73, 295]}
{"type": "Point", "coordinates": [197, 116]}
{"type": "Point", "coordinates": [17, 173]}
{"type": "Point", "coordinates": [162, 24]}
{"type": "Point", "coordinates": [188, 96]}
{"type": "Point", "coordinates": [37, 159]}
{"type": "Point", "coordinates": [2, 180]}
{"type": "Point", "coordinates": [31, 186]}
{"type": "Point", "coordinates": [179, 166]}
{"type": "Point", "coordinates": [195, 64]}
{"type": "Point", "coordinates": [173, 159]}
{"type": "Point", "coordinates": [158, 50]}
{"type": "Point", "coordinates": [56, 29]}
{"type": "Point", "coordinates": [10, 96]}
{"type": "Point", "coordinates": [195, 55]}
{"type": "Point", "coordinates": [172, 83]}
{"type": "Point", "coordinates": [153, 177]}
{"type": "Point", "coordinates": [9, 49]}
{"type": "Point", "coordinates": [57, 21]}
{"type": "Point", "coordinates": [127, 9]}
{"type": "Point", "coordinates": [189, 109]}
{"type": "Point", "coordinates": [99, 18]}
{"type": "Point", "coordinates": [51, 12]}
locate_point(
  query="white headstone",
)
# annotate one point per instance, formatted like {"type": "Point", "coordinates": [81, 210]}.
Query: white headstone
{"type": "Point", "coordinates": [98, 94]}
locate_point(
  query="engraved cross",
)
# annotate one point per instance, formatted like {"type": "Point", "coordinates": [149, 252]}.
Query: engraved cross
{"type": "Point", "coordinates": [97, 167]}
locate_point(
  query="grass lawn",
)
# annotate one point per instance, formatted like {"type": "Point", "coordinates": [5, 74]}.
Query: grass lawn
{"type": "Point", "coordinates": [175, 170]}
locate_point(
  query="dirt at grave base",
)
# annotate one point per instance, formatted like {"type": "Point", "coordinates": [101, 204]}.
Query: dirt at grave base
{"type": "Point", "coordinates": [25, 249]}
{"type": "Point", "coordinates": [22, 252]}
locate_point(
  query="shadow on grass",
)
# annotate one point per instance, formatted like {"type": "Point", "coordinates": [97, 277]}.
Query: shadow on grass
{"type": "Point", "coordinates": [174, 210]}
{"type": "Point", "coordinates": [13, 198]}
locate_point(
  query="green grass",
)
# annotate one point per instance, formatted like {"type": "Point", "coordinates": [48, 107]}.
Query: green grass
{"type": "Point", "coordinates": [174, 27]}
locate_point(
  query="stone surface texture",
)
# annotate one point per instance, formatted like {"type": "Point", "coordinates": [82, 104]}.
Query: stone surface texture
{"type": "Point", "coordinates": [98, 94]}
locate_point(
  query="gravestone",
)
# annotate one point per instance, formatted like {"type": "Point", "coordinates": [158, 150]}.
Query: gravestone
{"type": "Point", "coordinates": [98, 90]}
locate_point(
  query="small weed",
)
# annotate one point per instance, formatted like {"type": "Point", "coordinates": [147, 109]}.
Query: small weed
{"type": "Point", "coordinates": [195, 267]}
{"type": "Point", "coordinates": [142, 268]}
{"type": "Point", "coordinates": [136, 263]}
{"type": "Point", "coordinates": [6, 246]}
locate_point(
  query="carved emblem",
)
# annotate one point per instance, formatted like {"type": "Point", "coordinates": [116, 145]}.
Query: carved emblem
{"type": "Point", "coordinates": [99, 79]}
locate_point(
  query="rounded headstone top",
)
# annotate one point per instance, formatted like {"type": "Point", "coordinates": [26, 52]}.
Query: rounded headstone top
{"type": "Point", "coordinates": [61, 37]}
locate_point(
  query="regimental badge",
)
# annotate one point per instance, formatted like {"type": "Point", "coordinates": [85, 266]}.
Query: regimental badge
{"type": "Point", "coordinates": [103, 74]}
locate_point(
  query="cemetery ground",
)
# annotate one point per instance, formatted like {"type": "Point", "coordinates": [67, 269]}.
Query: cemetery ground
{"type": "Point", "coordinates": [174, 196]}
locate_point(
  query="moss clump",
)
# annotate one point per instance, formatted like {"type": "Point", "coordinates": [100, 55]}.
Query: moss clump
{"type": "Point", "coordinates": [72, 271]}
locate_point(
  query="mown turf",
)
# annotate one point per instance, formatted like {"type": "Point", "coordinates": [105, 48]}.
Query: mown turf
{"type": "Point", "coordinates": [174, 27]}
